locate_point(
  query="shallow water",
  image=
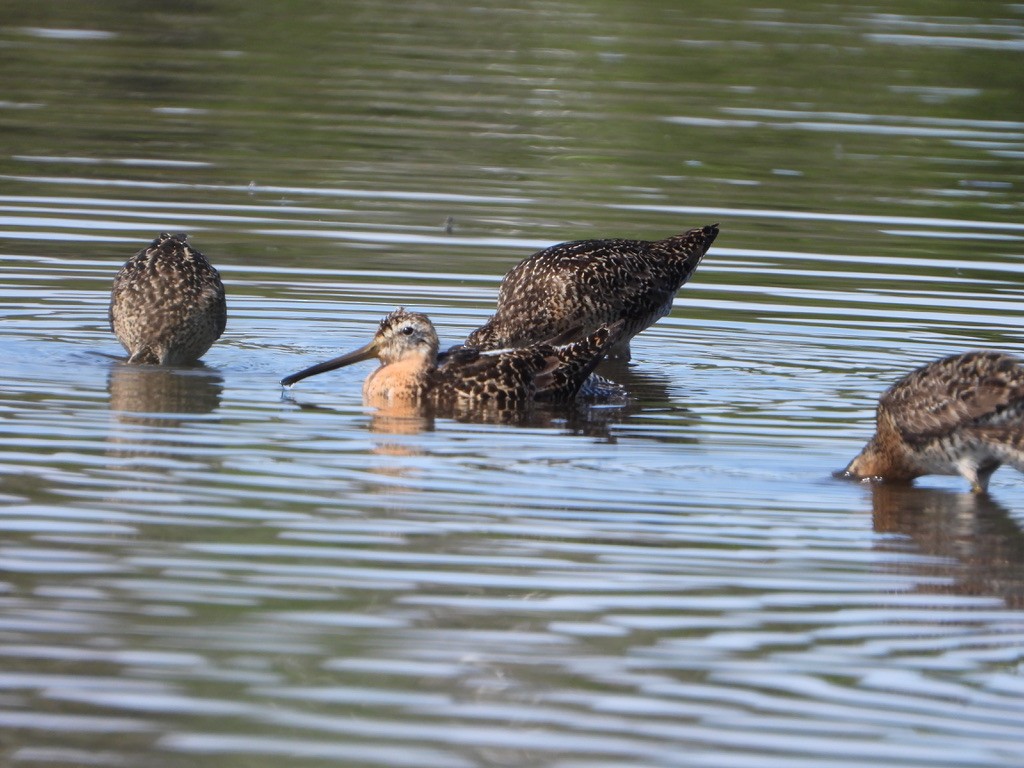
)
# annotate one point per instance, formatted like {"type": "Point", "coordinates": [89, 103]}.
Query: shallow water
{"type": "Point", "coordinates": [200, 569]}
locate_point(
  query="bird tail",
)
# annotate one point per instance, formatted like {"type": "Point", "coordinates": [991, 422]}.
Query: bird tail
{"type": "Point", "coordinates": [690, 247]}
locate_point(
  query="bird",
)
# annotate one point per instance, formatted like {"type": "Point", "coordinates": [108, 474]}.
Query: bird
{"type": "Point", "coordinates": [411, 370]}
{"type": "Point", "coordinates": [961, 415]}
{"type": "Point", "coordinates": [167, 304]}
{"type": "Point", "coordinates": [578, 287]}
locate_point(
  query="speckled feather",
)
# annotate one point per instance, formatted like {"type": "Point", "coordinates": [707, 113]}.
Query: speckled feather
{"type": "Point", "coordinates": [962, 414]}
{"type": "Point", "coordinates": [541, 372]}
{"type": "Point", "coordinates": [575, 288]}
{"type": "Point", "coordinates": [407, 346]}
{"type": "Point", "coordinates": [968, 390]}
{"type": "Point", "coordinates": [167, 304]}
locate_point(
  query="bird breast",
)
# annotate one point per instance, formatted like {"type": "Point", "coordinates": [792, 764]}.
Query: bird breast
{"type": "Point", "coordinates": [403, 381]}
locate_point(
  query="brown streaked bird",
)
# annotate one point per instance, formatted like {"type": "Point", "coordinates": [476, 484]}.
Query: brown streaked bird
{"type": "Point", "coordinates": [167, 305]}
{"type": "Point", "coordinates": [411, 370]}
{"type": "Point", "coordinates": [961, 415]}
{"type": "Point", "coordinates": [581, 286]}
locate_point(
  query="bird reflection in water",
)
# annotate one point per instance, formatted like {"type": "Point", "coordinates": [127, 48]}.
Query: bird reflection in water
{"type": "Point", "coordinates": [413, 418]}
{"type": "Point", "coordinates": [159, 398]}
{"type": "Point", "coordinates": [977, 533]}
{"type": "Point", "coordinates": [152, 394]}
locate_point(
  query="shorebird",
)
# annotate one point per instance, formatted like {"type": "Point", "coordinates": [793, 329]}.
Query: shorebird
{"type": "Point", "coordinates": [167, 304]}
{"type": "Point", "coordinates": [578, 287]}
{"type": "Point", "coordinates": [412, 371]}
{"type": "Point", "coordinates": [961, 415]}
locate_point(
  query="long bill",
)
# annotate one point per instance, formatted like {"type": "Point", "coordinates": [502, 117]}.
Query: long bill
{"type": "Point", "coordinates": [363, 353]}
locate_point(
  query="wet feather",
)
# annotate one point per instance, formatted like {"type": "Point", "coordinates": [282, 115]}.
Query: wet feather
{"type": "Point", "coordinates": [167, 303]}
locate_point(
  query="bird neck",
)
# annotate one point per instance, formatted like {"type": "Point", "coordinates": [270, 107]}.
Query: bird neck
{"type": "Point", "coordinates": [420, 356]}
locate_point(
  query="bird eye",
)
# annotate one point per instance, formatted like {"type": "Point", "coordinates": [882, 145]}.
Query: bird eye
{"type": "Point", "coordinates": [407, 330]}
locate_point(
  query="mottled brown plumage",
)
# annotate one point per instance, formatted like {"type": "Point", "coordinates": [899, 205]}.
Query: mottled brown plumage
{"type": "Point", "coordinates": [962, 414]}
{"type": "Point", "coordinates": [167, 305]}
{"type": "Point", "coordinates": [575, 288]}
{"type": "Point", "coordinates": [411, 371]}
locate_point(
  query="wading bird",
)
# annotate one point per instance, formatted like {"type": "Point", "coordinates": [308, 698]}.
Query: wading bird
{"type": "Point", "coordinates": [961, 415]}
{"type": "Point", "coordinates": [167, 305]}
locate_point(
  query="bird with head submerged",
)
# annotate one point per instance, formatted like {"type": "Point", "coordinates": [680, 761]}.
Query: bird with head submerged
{"type": "Point", "coordinates": [167, 304]}
{"type": "Point", "coordinates": [580, 286]}
{"type": "Point", "coordinates": [411, 370]}
{"type": "Point", "coordinates": [961, 415]}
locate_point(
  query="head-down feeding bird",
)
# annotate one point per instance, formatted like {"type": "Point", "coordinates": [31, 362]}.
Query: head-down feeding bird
{"type": "Point", "coordinates": [410, 370]}
{"type": "Point", "coordinates": [167, 304]}
{"type": "Point", "coordinates": [961, 415]}
{"type": "Point", "coordinates": [580, 286]}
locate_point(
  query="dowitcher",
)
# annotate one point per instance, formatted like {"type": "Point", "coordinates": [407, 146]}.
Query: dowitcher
{"type": "Point", "coordinates": [961, 415]}
{"type": "Point", "coordinates": [575, 288]}
{"type": "Point", "coordinates": [412, 371]}
{"type": "Point", "coordinates": [167, 304]}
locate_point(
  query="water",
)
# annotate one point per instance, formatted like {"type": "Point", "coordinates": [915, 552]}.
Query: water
{"type": "Point", "coordinates": [201, 570]}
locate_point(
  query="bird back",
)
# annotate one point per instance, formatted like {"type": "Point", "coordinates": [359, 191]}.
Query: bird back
{"type": "Point", "coordinates": [541, 372]}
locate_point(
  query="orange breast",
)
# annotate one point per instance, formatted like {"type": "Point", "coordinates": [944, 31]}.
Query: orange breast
{"type": "Point", "coordinates": [404, 381]}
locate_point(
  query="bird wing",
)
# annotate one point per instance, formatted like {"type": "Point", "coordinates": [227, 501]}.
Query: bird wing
{"type": "Point", "coordinates": [975, 389]}
{"type": "Point", "coordinates": [504, 376]}
{"type": "Point", "coordinates": [539, 372]}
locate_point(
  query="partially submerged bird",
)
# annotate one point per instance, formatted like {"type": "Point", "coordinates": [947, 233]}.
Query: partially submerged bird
{"type": "Point", "coordinates": [962, 414]}
{"type": "Point", "coordinates": [581, 286]}
{"type": "Point", "coordinates": [167, 305]}
{"type": "Point", "coordinates": [411, 371]}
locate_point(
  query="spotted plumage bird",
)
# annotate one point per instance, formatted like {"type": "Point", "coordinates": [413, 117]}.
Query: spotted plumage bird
{"type": "Point", "coordinates": [412, 371]}
{"type": "Point", "coordinates": [167, 304]}
{"type": "Point", "coordinates": [575, 288]}
{"type": "Point", "coordinates": [961, 415]}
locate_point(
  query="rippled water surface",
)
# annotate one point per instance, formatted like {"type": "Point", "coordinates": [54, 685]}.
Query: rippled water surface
{"type": "Point", "coordinates": [200, 569]}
